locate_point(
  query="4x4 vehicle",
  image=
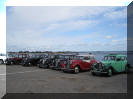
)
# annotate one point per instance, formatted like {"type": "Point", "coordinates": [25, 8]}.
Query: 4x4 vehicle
{"type": "Point", "coordinates": [15, 58]}
{"type": "Point", "coordinates": [32, 60]}
{"type": "Point", "coordinates": [47, 61]}
{"type": "Point", "coordinates": [60, 60]}
{"type": "Point", "coordinates": [80, 62]}
{"type": "Point", "coordinates": [2, 58]}
{"type": "Point", "coordinates": [111, 63]}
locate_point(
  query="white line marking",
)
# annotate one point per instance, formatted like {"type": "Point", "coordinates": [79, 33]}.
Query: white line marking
{"type": "Point", "coordinates": [23, 72]}
{"type": "Point", "coordinates": [2, 74]}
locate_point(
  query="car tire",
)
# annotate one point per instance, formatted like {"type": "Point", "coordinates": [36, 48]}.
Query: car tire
{"type": "Point", "coordinates": [11, 63]}
{"type": "Point", "coordinates": [109, 73]}
{"type": "Point", "coordinates": [76, 69]}
{"type": "Point", "coordinates": [1, 61]}
{"type": "Point", "coordinates": [93, 73]}
{"type": "Point", "coordinates": [126, 69]}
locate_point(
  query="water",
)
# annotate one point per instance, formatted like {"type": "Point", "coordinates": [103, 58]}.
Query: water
{"type": "Point", "coordinates": [100, 54]}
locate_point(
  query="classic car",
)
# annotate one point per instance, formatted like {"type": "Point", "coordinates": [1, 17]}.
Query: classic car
{"type": "Point", "coordinates": [32, 60]}
{"type": "Point", "coordinates": [45, 62]}
{"type": "Point", "coordinates": [15, 58]}
{"type": "Point", "coordinates": [61, 59]}
{"type": "Point", "coordinates": [112, 63]}
{"type": "Point", "coordinates": [2, 58]}
{"type": "Point", "coordinates": [79, 63]}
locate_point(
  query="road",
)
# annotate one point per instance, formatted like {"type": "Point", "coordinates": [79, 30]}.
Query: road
{"type": "Point", "coordinates": [19, 79]}
{"type": "Point", "coordinates": [2, 80]}
{"type": "Point", "coordinates": [36, 80]}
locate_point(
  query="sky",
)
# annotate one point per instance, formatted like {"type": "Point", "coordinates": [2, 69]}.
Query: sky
{"type": "Point", "coordinates": [55, 28]}
{"type": "Point", "coordinates": [2, 27]}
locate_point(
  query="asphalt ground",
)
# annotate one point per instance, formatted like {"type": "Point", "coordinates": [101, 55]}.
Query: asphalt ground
{"type": "Point", "coordinates": [2, 80]}
{"type": "Point", "coordinates": [21, 79]}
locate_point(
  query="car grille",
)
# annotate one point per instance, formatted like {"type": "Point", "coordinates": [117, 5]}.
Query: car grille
{"type": "Point", "coordinates": [99, 66]}
{"type": "Point", "coordinates": [68, 63]}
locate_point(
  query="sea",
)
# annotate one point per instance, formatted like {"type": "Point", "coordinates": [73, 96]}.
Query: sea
{"type": "Point", "coordinates": [99, 55]}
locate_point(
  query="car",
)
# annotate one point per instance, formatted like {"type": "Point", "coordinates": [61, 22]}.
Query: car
{"type": "Point", "coordinates": [15, 58]}
{"type": "Point", "coordinates": [32, 60]}
{"type": "Point", "coordinates": [79, 63]}
{"type": "Point", "coordinates": [2, 58]}
{"type": "Point", "coordinates": [112, 63]}
{"type": "Point", "coordinates": [60, 59]}
{"type": "Point", "coordinates": [47, 61]}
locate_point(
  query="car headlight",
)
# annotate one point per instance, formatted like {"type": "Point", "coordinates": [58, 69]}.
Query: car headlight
{"type": "Point", "coordinates": [102, 65]}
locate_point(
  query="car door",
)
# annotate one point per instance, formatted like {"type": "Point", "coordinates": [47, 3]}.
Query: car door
{"type": "Point", "coordinates": [124, 62]}
{"type": "Point", "coordinates": [118, 64]}
{"type": "Point", "coordinates": [86, 63]}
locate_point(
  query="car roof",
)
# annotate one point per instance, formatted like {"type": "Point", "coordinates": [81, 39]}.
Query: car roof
{"type": "Point", "coordinates": [115, 55]}
{"type": "Point", "coordinates": [88, 55]}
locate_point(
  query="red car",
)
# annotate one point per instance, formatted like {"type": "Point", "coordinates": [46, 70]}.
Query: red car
{"type": "Point", "coordinates": [15, 58]}
{"type": "Point", "coordinates": [79, 63]}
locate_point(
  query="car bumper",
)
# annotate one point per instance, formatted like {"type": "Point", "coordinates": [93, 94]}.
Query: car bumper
{"type": "Point", "coordinates": [67, 69]}
{"type": "Point", "coordinates": [99, 72]}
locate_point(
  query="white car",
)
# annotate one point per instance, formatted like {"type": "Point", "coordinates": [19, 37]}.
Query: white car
{"type": "Point", "coordinates": [2, 58]}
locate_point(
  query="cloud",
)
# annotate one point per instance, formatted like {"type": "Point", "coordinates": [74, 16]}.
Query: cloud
{"type": "Point", "coordinates": [57, 28]}
{"type": "Point", "coordinates": [108, 37]}
{"type": "Point", "coordinates": [116, 14]}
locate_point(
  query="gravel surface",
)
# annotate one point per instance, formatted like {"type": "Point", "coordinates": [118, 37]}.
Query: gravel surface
{"type": "Point", "coordinates": [36, 80]}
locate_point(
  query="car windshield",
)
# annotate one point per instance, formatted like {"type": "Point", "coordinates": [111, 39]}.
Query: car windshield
{"type": "Point", "coordinates": [83, 58]}
{"type": "Point", "coordinates": [61, 56]}
{"type": "Point", "coordinates": [51, 56]}
{"type": "Point", "coordinates": [12, 55]}
{"type": "Point", "coordinates": [106, 58]}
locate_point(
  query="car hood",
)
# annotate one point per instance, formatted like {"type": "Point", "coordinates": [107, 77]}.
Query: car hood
{"type": "Point", "coordinates": [106, 62]}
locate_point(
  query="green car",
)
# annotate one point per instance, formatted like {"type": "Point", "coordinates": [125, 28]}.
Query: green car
{"type": "Point", "coordinates": [112, 63]}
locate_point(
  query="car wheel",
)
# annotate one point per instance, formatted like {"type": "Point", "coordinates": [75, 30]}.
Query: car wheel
{"type": "Point", "coordinates": [93, 73]}
{"type": "Point", "coordinates": [1, 62]}
{"type": "Point", "coordinates": [109, 72]}
{"type": "Point", "coordinates": [76, 69]}
{"type": "Point", "coordinates": [11, 63]}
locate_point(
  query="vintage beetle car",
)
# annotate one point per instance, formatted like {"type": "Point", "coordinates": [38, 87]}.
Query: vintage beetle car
{"type": "Point", "coordinates": [80, 62]}
{"type": "Point", "coordinates": [32, 60]}
{"type": "Point", "coordinates": [60, 59]}
{"type": "Point", "coordinates": [15, 58]}
{"type": "Point", "coordinates": [47, 61]}
{"type": "Point", "coordinates": [111, 63]}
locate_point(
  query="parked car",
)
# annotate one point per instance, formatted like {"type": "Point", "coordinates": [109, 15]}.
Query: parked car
{"type": "Point", "coordinates": [47, 61]}
{"type": "Point", "coordinates": [79, 63]}
{"type": "Point", "coordinates": [32, 60]}
{"type": "Point", "coordinates": [60, 59]}
{"type": "Point", "coordinates": [112, 63]}
{"type": "Point", "coordinates": [15, 58]}
{"type": "Point", "coordinates": [2, 58]}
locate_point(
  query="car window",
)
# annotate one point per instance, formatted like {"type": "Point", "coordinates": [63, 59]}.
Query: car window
{"type": "Point", "coordinates": [107, 58]}
{"type": "Point", "coordinates": [123, 58]}
{"type": "Point", "coordinates": [118, 58]}
{"type": "Point", "coordinates": [86, 58]}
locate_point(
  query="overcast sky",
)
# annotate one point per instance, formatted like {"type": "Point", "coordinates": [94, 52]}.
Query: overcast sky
{"type": "Point", "coordinates": [66, 28]}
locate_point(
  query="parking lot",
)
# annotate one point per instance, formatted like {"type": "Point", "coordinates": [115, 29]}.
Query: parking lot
{"type": "Point", "coordinates": [36, 80]}
{"type": "Point", "coordinates": [2, 80]}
